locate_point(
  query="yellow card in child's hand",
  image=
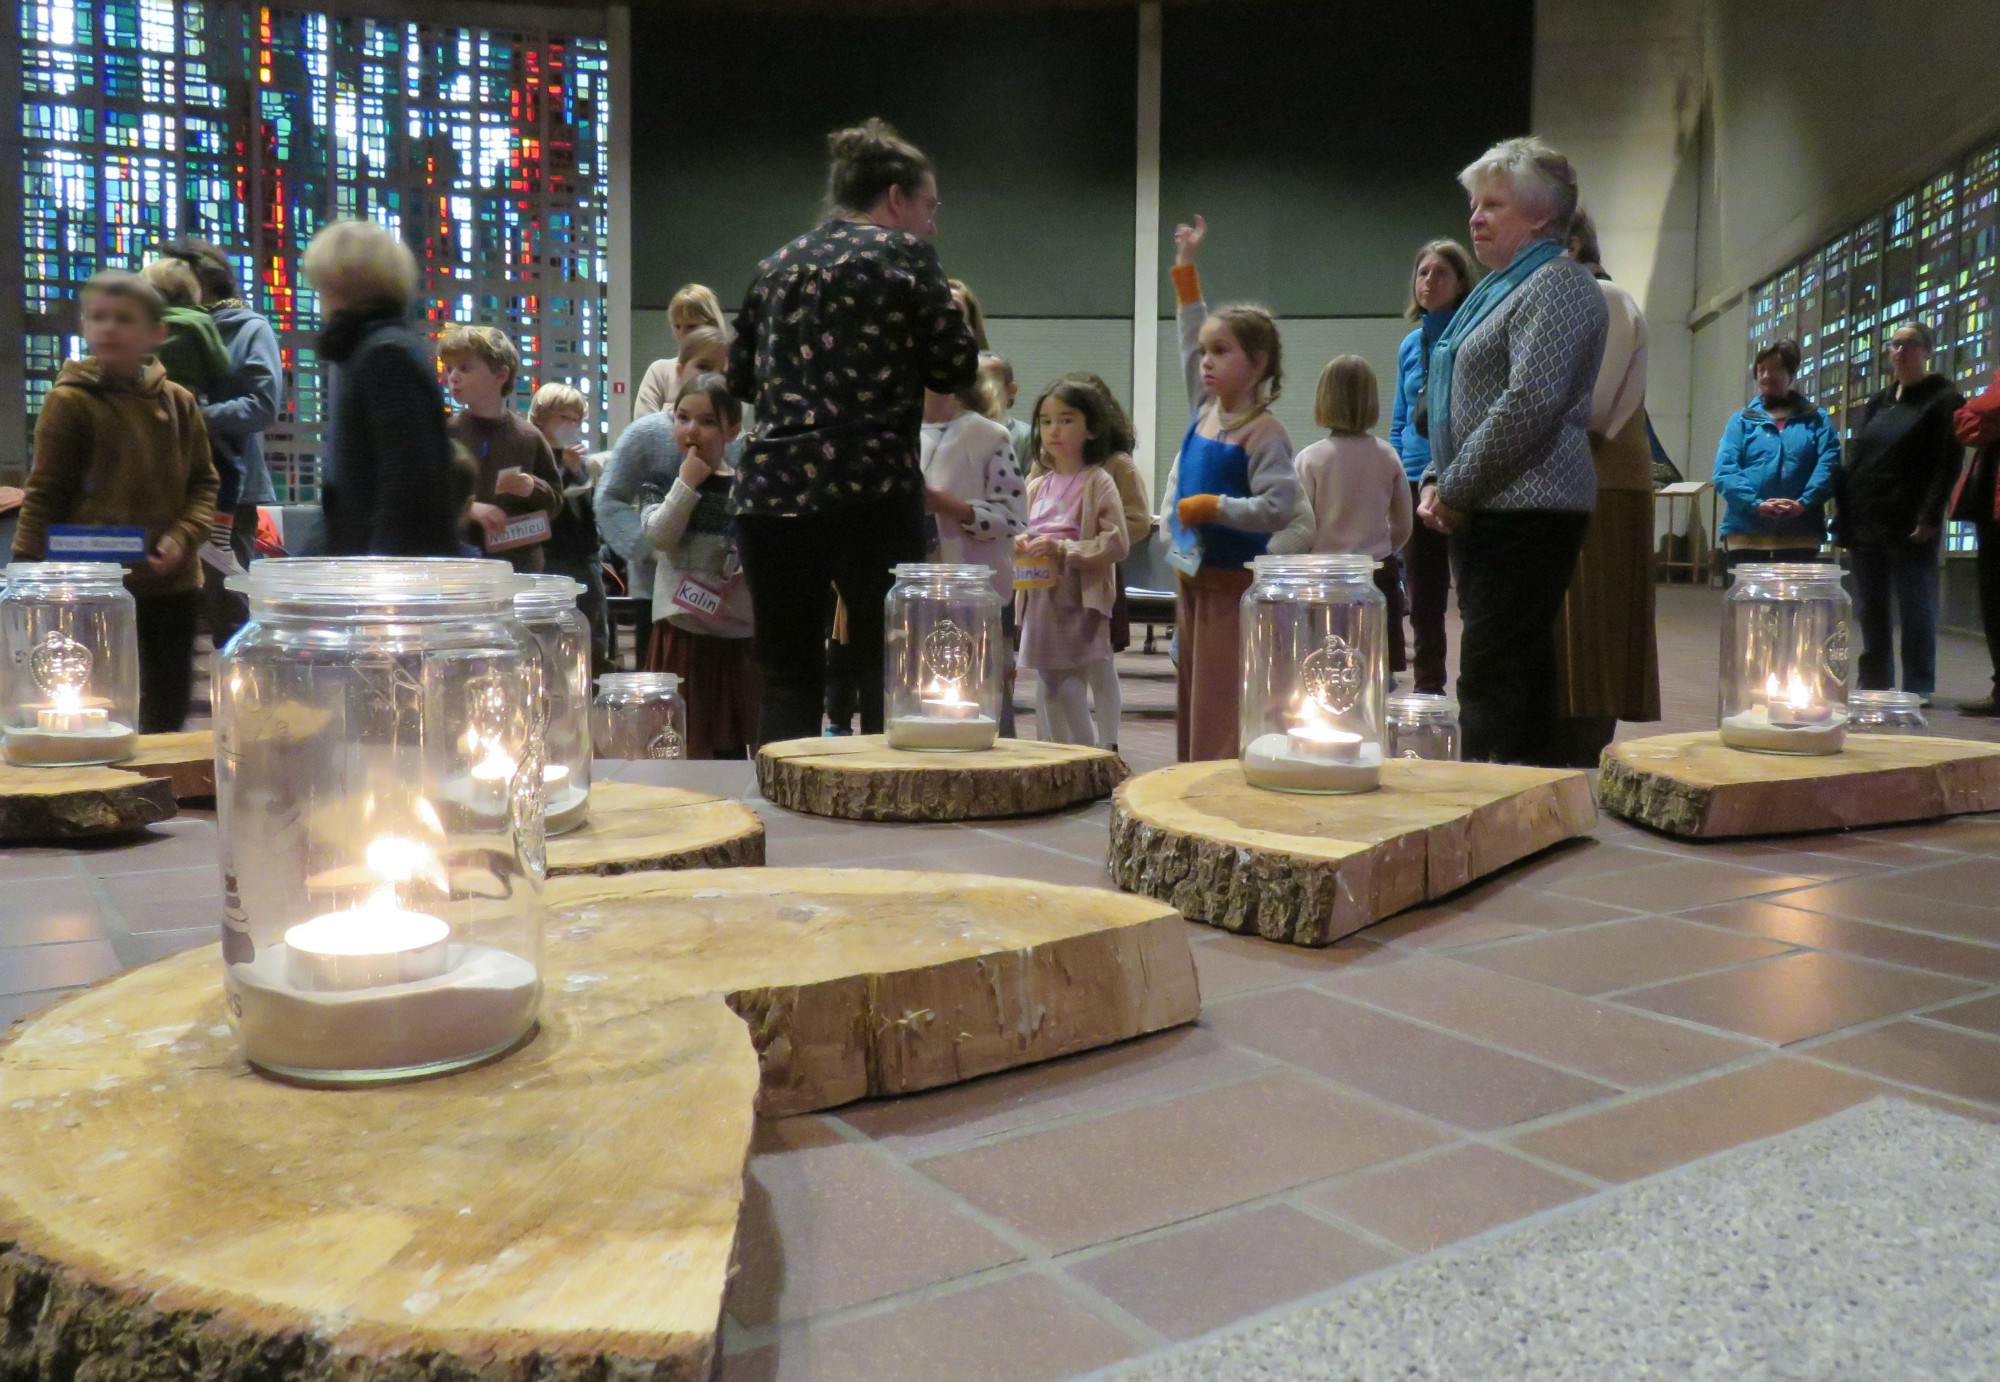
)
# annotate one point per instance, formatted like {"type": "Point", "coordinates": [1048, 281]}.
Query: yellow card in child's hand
{"type": "Point", "coordinates": [1034, 575]}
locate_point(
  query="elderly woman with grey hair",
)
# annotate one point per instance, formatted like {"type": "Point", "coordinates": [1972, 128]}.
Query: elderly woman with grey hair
{"type": "Point", "coordinates": [1511, 478]}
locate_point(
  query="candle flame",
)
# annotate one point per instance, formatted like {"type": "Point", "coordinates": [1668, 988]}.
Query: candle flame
{"type": "Point", "coordinates": [67, 697]}
{"type": "Point", "coordinates": [1795, 692]}
{"type": "Point", "coordinates": [1315, 722]}
{"type": "Point", "coordinates": [496, 766]}
{"type": "Point", "coordinates": [945, 692]}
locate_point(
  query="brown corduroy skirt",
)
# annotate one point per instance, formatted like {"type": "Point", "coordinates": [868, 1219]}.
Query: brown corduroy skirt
{"type": "Point", "coordinates": [719, 684]}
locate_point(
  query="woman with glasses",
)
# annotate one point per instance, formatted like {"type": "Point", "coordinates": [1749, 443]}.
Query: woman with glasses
{"type": "Point", "coordinates": [1890, 496]}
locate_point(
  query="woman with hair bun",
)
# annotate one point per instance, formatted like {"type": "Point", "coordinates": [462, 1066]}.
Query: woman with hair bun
{"type": "Point", "coordinates": [839, 335]}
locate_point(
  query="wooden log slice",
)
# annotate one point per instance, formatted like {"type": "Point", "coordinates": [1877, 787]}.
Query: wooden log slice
{"type": "Point", "coordinates": [567, 1212]}
{"type": "Point", "coordinates": [51, 804]}
{"type": "Point", "coordinates": [186, 760]}
{"type": "Point", "coordinates": [633, 827]}
{"type": "Point", "coordinates": [862, 779]}
{"type": "Point", "coordinates": [863, 982]}
{"type": "Point", "coordinates": [1692, 785]}
{"type": "Point", "coordinates": [1311, 869]}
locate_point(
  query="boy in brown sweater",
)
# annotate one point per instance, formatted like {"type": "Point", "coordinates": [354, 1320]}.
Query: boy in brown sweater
{"type": "Point", "coordinates": [517, 466]}
{"type": "Point", "coordinates": [119, 445]}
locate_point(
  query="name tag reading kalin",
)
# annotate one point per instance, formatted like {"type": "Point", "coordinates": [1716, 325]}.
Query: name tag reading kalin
{"type": "Point", "coordinates": [697, 597]}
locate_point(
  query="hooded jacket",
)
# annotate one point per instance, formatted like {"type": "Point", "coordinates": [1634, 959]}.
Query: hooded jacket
{"type": "Point", "coordinates": [1759, 459]}
{"type": "Point", "coordinates": [247, 401]}
{"type": "Point", "coordinates": [1901, 465]}
{"type": "Point", "coordinates": [115, 452]}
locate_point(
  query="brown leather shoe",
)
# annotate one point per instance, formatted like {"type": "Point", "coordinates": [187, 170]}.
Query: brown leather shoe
{"type": "Point", "coordinates": [1985, 709]}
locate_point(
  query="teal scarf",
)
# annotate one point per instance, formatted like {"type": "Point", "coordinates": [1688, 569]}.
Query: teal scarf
{"type": "Point", "coordinates": [1493, 290]}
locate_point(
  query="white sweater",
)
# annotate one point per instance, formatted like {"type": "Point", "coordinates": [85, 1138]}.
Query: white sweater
{"type": "Point", "coordinates": [691, 534]}
{"type": "Point", "coordinates": [1354, 498]}
{"type": "Point", "coordinates": [1621, 379]}
{"type": "Point", "coordinates": [971, 458]}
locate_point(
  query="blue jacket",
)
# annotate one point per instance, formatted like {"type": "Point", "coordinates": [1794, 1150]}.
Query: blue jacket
{"type": "Point", "coordinates": [239, 412]}
{"type": "Point", "coordinates": [1413, 448]}
{"type": "Point", "coordinates": [1758, 460]}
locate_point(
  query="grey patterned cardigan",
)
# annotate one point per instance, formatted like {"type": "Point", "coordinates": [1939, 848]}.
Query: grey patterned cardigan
{"type": "Point", "coordinates": [1521, 388]}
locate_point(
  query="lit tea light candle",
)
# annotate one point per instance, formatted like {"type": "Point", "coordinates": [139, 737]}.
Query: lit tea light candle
{"type": "Point", "coordinates": [367, 947]}
{"type": "Point", "coordinates": [555, 774]}
{"type": "Point", "coordinates": [69, 715]}
{"type": "Point", "coordinates": [494, 766]}
{"type": "Point", "coordinates": [946, 703]}
{"type": "Point", "coordinates": [1315, 738]}
{"type": "Point", "coordinates": [1792, 719]}
{"type": "Point", "coordinates": [949, 722]}
{"type": "Point", "coordinates": [1794, 707]}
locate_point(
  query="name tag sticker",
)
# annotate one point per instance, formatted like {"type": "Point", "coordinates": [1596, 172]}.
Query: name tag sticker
{"type": "Point", "coordinates": [1033, 575]}
{"type": "Point", "coordinates": [524, 531]}
{"type": "Point", "coordinates": [80, 542]}
{"type": "Point", "coordinates": [697, 597]}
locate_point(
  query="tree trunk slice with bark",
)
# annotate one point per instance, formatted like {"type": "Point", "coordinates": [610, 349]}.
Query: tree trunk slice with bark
{"type": "Point", "coordinates": [1310, 869]}
{"type": "Point", "coordinates": [51, 804]}
{"type": "Point", "coordinates": [187, 760]}
{"type": "Point", "coordinates": [1693, 785]}
{"type": "Point", "coordinates": [857, 983]}
{"type": "Point", "coordinates": [862, 779]}
{"type": "Point", "coordinates": [634, 827]}
{"type": "Point", "coordinates": [566, 1213]}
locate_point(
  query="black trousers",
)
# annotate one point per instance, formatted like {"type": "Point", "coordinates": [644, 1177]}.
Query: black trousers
{"type": "Point", "coordinates": [1427, 577]}
{"type": "Point", "coordinates": [789, 562]}
{"type": "Point", "coordinates": [1512, 571]}
{"type": "Point", "coordinates": [166, 627]}
{"type": "Point", "coordinates": [1988, 534]}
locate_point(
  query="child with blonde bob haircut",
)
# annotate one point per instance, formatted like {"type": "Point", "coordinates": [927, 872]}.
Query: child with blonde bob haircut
{"type": "Point", "coordinates": [694, 308]}
{"type": "Point", "coordinates": [1231, 487]}
{"type": "Point", "coordinates": [1355, 497]}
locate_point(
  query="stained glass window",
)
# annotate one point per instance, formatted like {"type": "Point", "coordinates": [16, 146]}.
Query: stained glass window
{"type": "Point", "coordinates": [487, 150]}
{"type": "Point", "coordinates": [1933, 254]}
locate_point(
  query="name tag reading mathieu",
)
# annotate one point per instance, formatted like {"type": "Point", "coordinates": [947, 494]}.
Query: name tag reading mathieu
{"type": "Point", "coordinates": [83, 542]}
{"type": "Point", "coordinates": [521, 532]}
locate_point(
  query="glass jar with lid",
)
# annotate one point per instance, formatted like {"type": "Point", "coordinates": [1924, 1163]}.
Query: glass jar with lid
{"type": "Point", "coordinates": [547, 605]}
{"type": "Point", "coordinates": [1313, 636]}
{"type": "Point", "coordinates": [1787, 659]}
{"type": "Point", "coordinates": [945, 658]}
{"type": "Point", "coordinates": [70, 634]}
{"type": "Point", "coordinates": [379, 788]}
{"type": "Point", "coordinates": [1421, 725]}
{"type": "Point", "coordinates": [639, 715]}
{"type": "Point", "coordinates": [1886, 712]}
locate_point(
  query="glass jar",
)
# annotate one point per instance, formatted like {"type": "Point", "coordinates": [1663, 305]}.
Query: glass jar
{"type": "Point", "coordinates": [72, 653]}
{"type": "Point", "coordinates": [379, 791]}
{"type": "Point", "coordinates": [1787, 659]}
{"type": "Point", "coordinates": [547, 605]}
{"type": "Point", "coordinates": [639, 715]}
{"type": "Point", "coordinates": [1422, 726]}
{"type": "Point", "coordinates": [946, 653]}
{"type": "Point", "coordinates": [1886, 712]}
{"type": "Point", "coordinates": [1313, 630]}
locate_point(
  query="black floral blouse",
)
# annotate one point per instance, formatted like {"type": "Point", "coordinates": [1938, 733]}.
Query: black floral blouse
{"type": "Point", "coordinates": [837, 340]}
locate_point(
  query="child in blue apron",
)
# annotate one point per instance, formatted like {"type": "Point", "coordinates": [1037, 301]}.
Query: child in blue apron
{"type": "Point", "coordinates": [1232, 486]}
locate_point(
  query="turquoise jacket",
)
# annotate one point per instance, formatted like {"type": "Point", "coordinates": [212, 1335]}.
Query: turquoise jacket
{"type": "Point", "coordinates": [1758, 460]}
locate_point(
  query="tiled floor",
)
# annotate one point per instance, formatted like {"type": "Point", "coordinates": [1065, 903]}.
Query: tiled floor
{"type": "Point", "coordinates": [1605, 1011]}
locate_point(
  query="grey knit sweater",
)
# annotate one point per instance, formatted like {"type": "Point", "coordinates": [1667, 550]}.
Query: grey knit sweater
{"type": "Point", "coordinates": [1520, 400]}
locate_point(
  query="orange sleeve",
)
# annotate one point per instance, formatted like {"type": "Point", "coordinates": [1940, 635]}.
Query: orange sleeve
{"type": "Point", "coordinates": [1187, 284]}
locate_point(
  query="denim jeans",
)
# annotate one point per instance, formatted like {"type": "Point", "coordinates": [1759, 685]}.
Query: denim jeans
{"type": "Point", "coordinates": [1897, 585]}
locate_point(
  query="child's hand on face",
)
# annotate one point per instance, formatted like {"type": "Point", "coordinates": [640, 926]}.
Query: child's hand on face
{"type": "Point", "coordinates": [1187, 240]}
{"type": "Point", "coordinates": [694, 470]}
{"type": "Point", "coordinates": [167, 556]}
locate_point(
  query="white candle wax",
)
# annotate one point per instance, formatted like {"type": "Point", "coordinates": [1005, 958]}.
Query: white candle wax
{"type": "Point", "coordinates": [367, 947]}
{"type": "Point", "coordinates": [72, 720]}
{"type": "Point", "coordinates": [960, 734]}
{"type": "Point", "coordinates": [1317, 739]}
{"type": "Point", "coordinates": [1274, 762]}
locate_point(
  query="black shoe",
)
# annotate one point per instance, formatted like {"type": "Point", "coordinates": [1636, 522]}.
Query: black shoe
{"type": "Point", "coordinates": [1981, 709]}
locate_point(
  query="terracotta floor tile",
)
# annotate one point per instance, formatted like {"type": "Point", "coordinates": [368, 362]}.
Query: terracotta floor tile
{"type": "Point", "coordinates": [1980, 1015]}
{"type": "Point", "coordinates": [1429, 1201]}
{"type": "Point", "coordinates": [1233, 964]}
{"type": "Point", "coordinates": [1797, 996]}
{"type": "Point", "coordinates": [1204, 1275]}
{"type": "Point", "coordinates": [777, 1136]}
{"type": "Point", "coordinates": [1665, 1130]}
{"type": "Point", "coordinates": [1968, 882]}
{"type": "Point", "coordinates": [170, 900]}
{"type": "Point", "coordinates": [1595, 1039]}
{"type": "Point", "coordinates": [186, 841]}
{"type": "Point", "coordinates": [1578, 859]}
{"type": "Point", "coordinates": [34, 862]}
{"type": "Point", "coordinates": [66, 964]}
{"type": "Point", "coordinates": [1021, 1329]}
{"type": "Point", "coordinates": [1093, 1082]}
{"type": "Point", "coordinates": [1964, 959]}
{"type": "Point", "coordinates": [834, 1226]}
{"type": "Point", "coordinates": [1428, 1071]}
{"type": "Point", "coordinates": [1622, 954]}
{"type": "Point", "coordinates": [969, 855]}
{"type": "Point", "coordinates": [1887, 900]}
{"type": "Point", "coordinates": [1161, 1163]}
{"type": "Point", "coordinates": [1677, 885]}
{"type": "Point", "coordinates": [1431, 928]}
{"type": "Point", "coordinates": [1500, 899]}
{"type": "Point", "coordinates": [1963, 1064]}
